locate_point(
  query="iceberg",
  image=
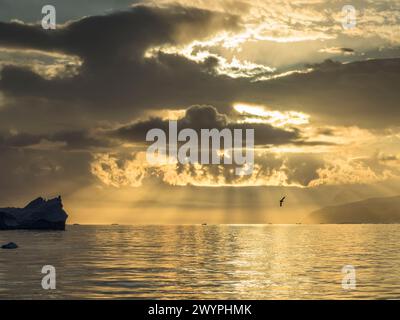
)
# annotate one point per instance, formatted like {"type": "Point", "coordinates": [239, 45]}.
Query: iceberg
{"type": "Point", "coordinates": [39, 214]}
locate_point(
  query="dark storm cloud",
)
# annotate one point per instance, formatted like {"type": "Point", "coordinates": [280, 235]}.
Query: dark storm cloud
{"type": "Point", "coordinates": [81, 140]}
{"type": "Point", "coordinates": [125, 34]}
{"type": "Point", "coordinates": [114, 73]}
{"type": "Point", "coordinates": [207, 117]}
{"type": "Point", "coordinates": [116, 82]}
{"type": "Point", "coordinates": [18, 140]}
{"type": "Point", "coordinates": [69, 140]}
{"type": "Point", "coordinates": [361, 93]}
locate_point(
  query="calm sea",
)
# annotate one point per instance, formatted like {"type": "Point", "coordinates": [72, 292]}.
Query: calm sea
{"type": "Point", "coordinates": [204, 262]}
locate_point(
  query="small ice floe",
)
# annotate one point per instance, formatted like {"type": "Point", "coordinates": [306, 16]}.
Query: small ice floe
{"type": "Point", "coordinates": [10, 245]}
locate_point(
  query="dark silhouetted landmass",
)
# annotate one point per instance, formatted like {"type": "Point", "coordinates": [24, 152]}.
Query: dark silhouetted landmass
{"type": "Point", "coordinates": [40, 214]}
{"type": "Point", "coordinates": [376, 210]}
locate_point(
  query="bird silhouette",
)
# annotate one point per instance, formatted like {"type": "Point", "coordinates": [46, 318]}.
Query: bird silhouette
{"type": "Point", "coordinates": [281, 201]}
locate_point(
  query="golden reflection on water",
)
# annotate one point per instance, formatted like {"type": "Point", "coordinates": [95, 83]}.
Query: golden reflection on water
{"type": "Point", "coordinates": [204, 262]}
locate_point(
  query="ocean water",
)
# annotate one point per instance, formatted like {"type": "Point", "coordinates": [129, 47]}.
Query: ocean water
{"type": "Point", "coordinates": [203, 262]}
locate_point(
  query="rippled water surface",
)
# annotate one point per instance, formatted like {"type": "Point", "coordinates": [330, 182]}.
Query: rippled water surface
{"type": "Point", "coordinates": [204, 262]}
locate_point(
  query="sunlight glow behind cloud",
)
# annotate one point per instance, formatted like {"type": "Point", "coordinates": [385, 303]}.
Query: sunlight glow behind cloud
{"type": "Point", "coordinates": [259, 114]}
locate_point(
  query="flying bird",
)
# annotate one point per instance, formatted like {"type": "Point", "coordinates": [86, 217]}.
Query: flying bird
{"type": "Point", "coordinates": [281, 201]}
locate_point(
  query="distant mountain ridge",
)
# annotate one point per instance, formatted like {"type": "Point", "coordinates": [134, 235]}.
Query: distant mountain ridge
{"type": "Point", "coordinates": [373, 210]}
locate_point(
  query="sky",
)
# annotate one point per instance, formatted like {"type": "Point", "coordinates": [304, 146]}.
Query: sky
{"type": "Point", "coordinates": [76, 103]}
